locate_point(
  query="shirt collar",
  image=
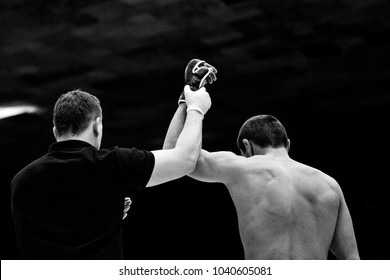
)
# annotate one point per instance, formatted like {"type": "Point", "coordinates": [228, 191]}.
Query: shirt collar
{"type": "Point", "coordinates": [68, 145]}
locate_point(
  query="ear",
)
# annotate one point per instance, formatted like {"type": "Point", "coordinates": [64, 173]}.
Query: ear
{"type": "Point", "coordinates": [248, 148]}
{"type": "Point", "coordinates": [288, 145]}
{"type": "Point", "coordinates": [55, 133]}
{"type": "Point", "coordinates": [96, 126]}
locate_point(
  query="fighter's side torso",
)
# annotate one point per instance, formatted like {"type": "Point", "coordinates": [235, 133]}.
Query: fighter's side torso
{"type": "Point", "coordinates": [286, 210]}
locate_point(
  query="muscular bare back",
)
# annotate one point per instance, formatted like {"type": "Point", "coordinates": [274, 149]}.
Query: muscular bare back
{"type": "Point", "coordinates": [286, 210]}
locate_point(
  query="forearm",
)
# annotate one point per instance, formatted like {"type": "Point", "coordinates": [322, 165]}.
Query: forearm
{"type": "Point", "coordinates": [171, 164]}
{"type": "Point", "coordinates": [190, 139]}
{"type": "Point", "coordinates": [178, 160]}
{"type": "Point", "coordinates": [175, 127]}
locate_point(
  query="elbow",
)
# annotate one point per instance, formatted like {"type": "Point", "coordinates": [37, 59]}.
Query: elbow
{"type": "Point", "coordinates": [190, 160]}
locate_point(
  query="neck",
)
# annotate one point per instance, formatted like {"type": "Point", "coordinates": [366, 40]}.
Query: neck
{"type": "Point", "coordinates": [86, 137]}
{"type": "Point", "coordinates": [273, 152]}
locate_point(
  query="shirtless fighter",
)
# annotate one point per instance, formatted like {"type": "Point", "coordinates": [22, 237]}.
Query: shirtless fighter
{"type": "Point", "coordinates": [286, 210]}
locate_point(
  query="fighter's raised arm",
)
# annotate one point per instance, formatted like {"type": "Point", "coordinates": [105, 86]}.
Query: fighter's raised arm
{"type": "Point", "coordinates": [219, 167]}
{"type": "Point", "coordinates": [197, 74]}
{"type": "Point", "coordinates": [181, 159]}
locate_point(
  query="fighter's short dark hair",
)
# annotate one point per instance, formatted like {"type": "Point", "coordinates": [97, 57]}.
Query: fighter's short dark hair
{"type": "Point", "coordinates": [74, 110]}
{"type": "Point", "coordinates": [263, 130]}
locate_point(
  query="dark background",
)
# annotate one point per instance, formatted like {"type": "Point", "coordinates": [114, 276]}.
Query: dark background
{"type": "Point", "coordinates": [320, 66]}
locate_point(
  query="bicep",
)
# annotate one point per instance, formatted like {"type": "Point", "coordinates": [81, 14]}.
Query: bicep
{"type": "Point", "coordinates": [216, 167]}
{"type": "Point", "coordinates": [169, 165]}
{"type": "Point", "coordinates": [344, 244]}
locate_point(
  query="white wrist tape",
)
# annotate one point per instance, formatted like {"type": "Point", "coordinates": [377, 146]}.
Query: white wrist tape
{"type": "Point", "coordinates": [194, 108]}
{"type": "Point", "coordinates": [181, 99]}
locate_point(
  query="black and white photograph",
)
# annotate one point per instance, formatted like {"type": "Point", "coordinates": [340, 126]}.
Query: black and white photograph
{"type": "Point", "coordinates": [195, 130]}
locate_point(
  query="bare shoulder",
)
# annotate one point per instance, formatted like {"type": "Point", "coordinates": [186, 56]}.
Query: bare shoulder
{"type": "Point", "coordinates": [320, 181]}
{"type": "Point", "coordinates": [231, 169]}
{"type": "Point", "coordinates": [330, 181]}
{"type": "Point", "coordinates": [233, 165]}
{"type": "Point", "coordinates": [257, 165]}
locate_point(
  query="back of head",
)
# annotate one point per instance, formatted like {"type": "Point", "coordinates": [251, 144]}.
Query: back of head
{"type": "Point", "coordinates": [74, 111]}
{"type": "Point", "coordinates": [264, 131]}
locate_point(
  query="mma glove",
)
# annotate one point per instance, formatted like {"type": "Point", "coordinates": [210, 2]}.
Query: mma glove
{"type": "Point", "coordinates": [197, 74]}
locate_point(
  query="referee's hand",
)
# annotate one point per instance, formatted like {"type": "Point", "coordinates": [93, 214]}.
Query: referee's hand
{"type": "Point", "coordinates": [127, 207]}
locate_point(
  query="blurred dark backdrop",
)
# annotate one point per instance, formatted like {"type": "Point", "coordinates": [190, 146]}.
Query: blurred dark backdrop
{"type": "Point", "coordinates": [320, 66]}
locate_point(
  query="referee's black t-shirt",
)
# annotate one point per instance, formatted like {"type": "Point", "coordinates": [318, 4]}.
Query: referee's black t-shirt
{"type": "Point", "coordinates": [69, 203]}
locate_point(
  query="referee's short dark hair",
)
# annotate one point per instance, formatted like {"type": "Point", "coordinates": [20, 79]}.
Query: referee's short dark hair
{"type": "Point", "coordinates": [74, 111]}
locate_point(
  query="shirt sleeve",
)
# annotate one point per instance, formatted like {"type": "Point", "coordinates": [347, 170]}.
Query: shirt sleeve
{"type": "Point", "coordinates": [136, 167]}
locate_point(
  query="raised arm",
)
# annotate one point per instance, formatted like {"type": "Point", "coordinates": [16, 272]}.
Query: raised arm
{"type": "Point", "coordinates": [221, 167]}
{"type": "Point", "coordinates": [175, 127]}
{"type": "Point", "coordinates": [344, 244]}
{"type": "Point", "coordinates": [179, 161]}
{"type": "Point", "coordinates": [211, 167]}
{"type": "Point", "coordinates": [197, 74]}
{"type": "Point", "coordinates": [208, 162]}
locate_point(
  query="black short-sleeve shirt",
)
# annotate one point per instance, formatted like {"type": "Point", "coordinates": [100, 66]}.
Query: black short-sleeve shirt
{"type": "Point", "coordinates": [69, 203]}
